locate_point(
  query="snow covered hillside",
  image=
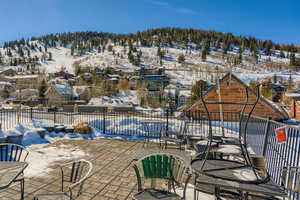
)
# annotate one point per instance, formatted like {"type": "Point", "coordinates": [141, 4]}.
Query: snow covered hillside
{"type": "Point", "coordinates": [193, 69]}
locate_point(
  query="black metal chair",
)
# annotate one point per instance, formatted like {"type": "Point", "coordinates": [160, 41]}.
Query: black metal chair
{"type": "Point", "coordinates": [14, 153]}
{"type": "Point", "coordinates": [291, 181]}
{"type": "Point", "coordinates": [176, 137]}
{"type": "Point", "coordinates": [158, 176]}
{"type": "Point", "coordinates": [73, 177]}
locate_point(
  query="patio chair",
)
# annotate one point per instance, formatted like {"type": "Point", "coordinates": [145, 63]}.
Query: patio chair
{"type": "Point", "coordinates": [73, 177]}
{"type": "Point", "coordinates": [158, 176]}
{"type": "Point", "coordinates": [177, 137]}
{"type": "Point", "coordinates": [14, 153]}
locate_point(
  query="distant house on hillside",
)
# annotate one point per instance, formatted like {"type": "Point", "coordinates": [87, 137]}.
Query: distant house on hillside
{"type": "Point", "coordinates": [180, 94]}
{"type": "Point", "coordinates": [154, 82]}
{"type": "Point", "coordinates": [134, 81]}
{"type": "Point", "coordinates": [233, 90]}
{"type": "Point", "coordinates": [293, 100]}
{"type": "Point", "coordinates": [87, 76]}
{"type": "Point", "coordinates": [25, 94]}
{"type": "Point", "coordinates": [6, 89]}
{"type": "Point", "coordinates": [7, 86]}
{"type": "Point", "coordinates": [277, 92]}
{"type": "Point", "coordinates": [144, 71]}
{"type": "Point", "coordinates": [62, 74]}
{"type": "Point", "coordinates": [8, 72]}
{"type": "Point", "coordinates": [60, 94]}
{"type": "Point", "coordinates": [83, 92]}
{"type": "Point", "coordinates": [22, 81]}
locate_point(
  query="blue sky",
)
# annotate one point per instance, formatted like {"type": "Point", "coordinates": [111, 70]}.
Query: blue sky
{"type": "Point", "coordinates": [278, 20]}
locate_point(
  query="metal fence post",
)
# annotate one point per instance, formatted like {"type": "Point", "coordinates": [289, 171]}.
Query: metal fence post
{"type": "Point", "coordinates": [30, 113]}
{"type": "Point", "coordinates": [167, 125]}
{"type": "Point", "coordinates": [104, 121]}
{"type": "Point", "coordinates": [265, 144]}
{"type": "Point", "coordinates": [54, 115]}
{"type": "Point", "coordinates": [1, 119]}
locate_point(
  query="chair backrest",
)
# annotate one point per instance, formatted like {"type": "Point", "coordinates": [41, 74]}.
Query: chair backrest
{"type": "Point", "coordinates": [164, 166]}
{"type": "Point", "coordinates": [13, 153]}
{"type": "Point", "coordinates": [291, 179]}
{"type": "Point", "coordinates": [75, 174]}
{"type": "Point", "coordinates": [183, 126]}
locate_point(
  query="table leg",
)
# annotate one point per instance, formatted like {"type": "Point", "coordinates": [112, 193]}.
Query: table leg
{"type": "Point", "coordinates": [217, 193]}
{"type": "Point", "coordinates": [147, 134]}
{"type": "Point", "coordinates": [22, 182]}
{"type": "Point", "coordinates": [195, 191]}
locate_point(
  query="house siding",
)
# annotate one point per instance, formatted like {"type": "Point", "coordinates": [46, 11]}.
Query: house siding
{"type": "Point", "coordinates": [295, 110]}
{"type": "Point", "coordinates": [232, 90]}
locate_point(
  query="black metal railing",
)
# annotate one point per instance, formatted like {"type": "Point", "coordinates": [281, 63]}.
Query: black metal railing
{"type": "Point", "coordinates": [261, 136]}
{"type": "Point", "coordinates": [124, 123]}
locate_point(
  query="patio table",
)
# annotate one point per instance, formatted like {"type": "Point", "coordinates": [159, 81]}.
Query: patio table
{"type": "Point", "coordinates": [156, 133]}
{"type": "Point", "coordinates": [9, 171]}
{"type": "Point", "coordinates": [232, 170]}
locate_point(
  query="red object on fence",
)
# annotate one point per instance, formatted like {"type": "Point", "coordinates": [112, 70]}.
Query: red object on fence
{"type": "Point", "coordinates": [280, 135]}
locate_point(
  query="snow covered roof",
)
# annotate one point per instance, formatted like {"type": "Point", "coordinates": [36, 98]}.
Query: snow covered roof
{"type": "Point", "coordinates": [64, 89]}
{"type": "Point", "coordinates": [2, 84]}
{"type": "Point", "coordinates": [292, 95]}
{"type": "Point", "coordinates": [123, 98]}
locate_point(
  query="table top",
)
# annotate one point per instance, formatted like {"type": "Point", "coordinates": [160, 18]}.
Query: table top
{"type": "Point", "coordinates": [216, 172]}
{"type": "Point", "coordinates": [9, 171]}
{"type": "Point", "coordinates": [267, 188]}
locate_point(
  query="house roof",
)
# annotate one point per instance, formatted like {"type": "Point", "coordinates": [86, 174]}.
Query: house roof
{"type": "Point", "coordinates": [293, 95]}
{"type": "Point", "coordinates": [232, 76]}
{"type": "Point", "coordinates": [2, 84]}
{"type": "Point", "coordinates": [64, 89]}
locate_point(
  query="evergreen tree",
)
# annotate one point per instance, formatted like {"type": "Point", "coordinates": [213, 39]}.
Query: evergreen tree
{"type": "Point", "coordinates": [292, 59]}
{"type": "Point", "coordinates": [290, 84]}
{"type": "Point", "coordinates": [42, 89]}
{"type": "Point", "coordinates": [50, 56]}
{"type": "Point", "coordinates": [196, 90]}
{"type": "Point", "coordinates": [72, 51]}
{"type": "Point", "coordinates": [203, 55]}
{"type": "Point", "coordinates": [282, 54]}
{"type": "Point", "coordinates": [181, 59]}
{"type": "Point", "coordinates": [170, 101]}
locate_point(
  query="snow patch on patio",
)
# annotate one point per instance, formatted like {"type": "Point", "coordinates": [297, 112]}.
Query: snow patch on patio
{"type": "Point", "coordinates": [41, 157]}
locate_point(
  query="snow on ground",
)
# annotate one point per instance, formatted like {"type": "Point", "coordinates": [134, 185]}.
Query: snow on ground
{"type": "Point", "coordinates": [125, 128]}
{"type": "Point", "coordinates": [61, 59]}
{"type": "Point", "coordinates": [187, 75]}
{"type": "Point", "coordinates": [41, 157]}
{"type": "Point", "coordinates": [123, 98]}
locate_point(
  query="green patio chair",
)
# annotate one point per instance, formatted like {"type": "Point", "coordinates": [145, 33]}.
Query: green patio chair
{"type": "Point", "coordinates": [159, 175]}
{"type": "Point", "coordinates": [14, 153]}
{"type": "Point", "coordinates": [73, 177]}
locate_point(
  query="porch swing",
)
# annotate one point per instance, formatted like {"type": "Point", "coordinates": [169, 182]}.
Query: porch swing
{"type": "Point", "coordinates": [213, 163]}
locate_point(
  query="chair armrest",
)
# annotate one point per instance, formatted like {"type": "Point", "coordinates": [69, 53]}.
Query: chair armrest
{"type": "Point", "coordinates": [138, 177]}
{"type": "Point", "coordinates": [79, 183]}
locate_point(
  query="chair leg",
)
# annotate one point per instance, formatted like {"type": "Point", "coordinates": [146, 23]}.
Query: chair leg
{"type": "Point", "coordinates": [22, 184]}
{"type": "Point", "coordinates": [217, 193]}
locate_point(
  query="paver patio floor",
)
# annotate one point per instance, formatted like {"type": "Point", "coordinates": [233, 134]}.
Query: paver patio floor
{"type": "Point", "coordinates": [112, 175]}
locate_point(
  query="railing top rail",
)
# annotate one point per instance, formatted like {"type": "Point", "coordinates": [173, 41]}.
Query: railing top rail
{"type": "Point", "coordinates": [275, 122]}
